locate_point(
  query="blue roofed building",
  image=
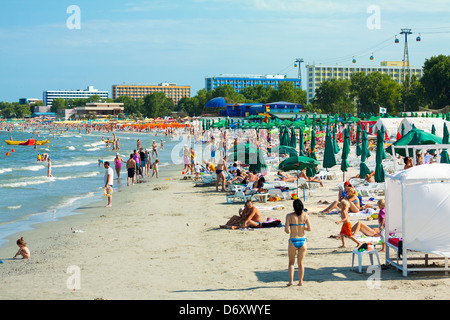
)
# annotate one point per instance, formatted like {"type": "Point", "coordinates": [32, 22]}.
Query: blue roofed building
{"type": "Point", "coordinates": [248, 109]}
{"type": "Point", "coordinates": [240, 82]}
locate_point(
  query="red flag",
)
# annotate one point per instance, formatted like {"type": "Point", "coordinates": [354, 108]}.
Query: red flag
{"type": "Point", "coordinates": [399, 136]}
{"type": "Point", "coordinates": [386, 137]}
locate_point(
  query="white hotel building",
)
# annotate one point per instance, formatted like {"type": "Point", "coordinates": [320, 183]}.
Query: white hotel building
{"type": "Point", "coordinates": [50, 95]}
{"type": "Point", "coordinates": [316, 74]}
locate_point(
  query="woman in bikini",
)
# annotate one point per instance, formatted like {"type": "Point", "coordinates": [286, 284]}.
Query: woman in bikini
{"type": "Point", "coordinates": [296, 225]}
{"type": "Point", "coordinates": [351, 197]}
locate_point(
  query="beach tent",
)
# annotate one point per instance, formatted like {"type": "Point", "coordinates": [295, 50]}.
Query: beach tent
{"type": "Point", "coordinates": [414, 137]}
{"type": "Point", "coordinates": [391, 126]}
{"type": "Point", "coordinates": [368, 124]}
{"type": "Point", "coordinates": [425, 124]}
{"type": "Point", "coordinates": [418, 215]}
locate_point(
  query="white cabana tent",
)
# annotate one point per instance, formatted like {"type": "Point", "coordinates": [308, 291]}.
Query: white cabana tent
{"type": "Point", "coordinates": [390, 126]}
{"type": "Point", "coordinates": [424, 124]}
{"type": "Point", "coordinates": [418, 212]}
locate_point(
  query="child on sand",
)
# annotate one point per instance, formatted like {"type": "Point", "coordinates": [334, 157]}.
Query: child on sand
{"type": "Point", "coordinates": [23, 251]}
{"type": "Point", "coordinates": [346, 230]}
{"type": "Point", "coordinates": [155, 168]}
{"type": "Point", "coordinates": [381, 217]}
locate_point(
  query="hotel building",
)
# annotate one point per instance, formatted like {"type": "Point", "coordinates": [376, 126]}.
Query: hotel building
{"type": "Point", "coordinates": [239, 82]}
{"type": "Point", "coordinates": [135, 91]}
{"type": "Point", "coordinates": [316, 74]}
{"type": "Point", "coordinates": [51, 95]}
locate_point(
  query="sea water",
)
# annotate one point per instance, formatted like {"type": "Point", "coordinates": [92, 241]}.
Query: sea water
{"type": "Point", "coordinates": [28, 196]}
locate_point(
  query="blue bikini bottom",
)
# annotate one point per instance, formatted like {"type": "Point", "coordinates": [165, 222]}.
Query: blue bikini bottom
{"type": "Point", "coordinates": [298, 242]}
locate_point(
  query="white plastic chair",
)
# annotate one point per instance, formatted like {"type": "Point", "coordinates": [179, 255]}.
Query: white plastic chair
{"type": "Point", "coordinates": [360, 254]}
{"type": "Point", "coordinates": [239, 195]}
{"type": "Point", "coordinates": [278, 193]}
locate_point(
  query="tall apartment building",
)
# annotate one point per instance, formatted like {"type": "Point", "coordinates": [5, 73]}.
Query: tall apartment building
{"type": "Point", "coordinates": [50, 95]}
{"type": "Point", "coordinates": [316, 74]}
{"type": "Point", "coordinates": [135, 91]}
{"type": "Point", "coordinates": [239, 82]}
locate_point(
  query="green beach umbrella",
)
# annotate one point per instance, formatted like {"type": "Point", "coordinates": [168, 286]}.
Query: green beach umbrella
{"type": "Point", "coordinates": [298, 163]}
{"type": "Point", "coordinates": [365, 153]}
{"type": "Point", "coordinates": [260, 165]}
{"type": "Point", "coordinates": [358, 141]}
{"type": "Point", "coordinates": [293, 140]}
{"type": "Point", "coordinates": [284, 136]}
{"type": "Point", "coordinates": [329, 158]}
{"type": "Point", "coordinates": [285, 150]}
{"type": "Point", "coordinates": [380, 156]}
{"type": "Point", "coordinates": [247, 147]}
{"type": "Point", "coordinates": [300, 142]}
{"type": "Point", "coordinates": [334, 141]}
{"type": "Point", "coordinates": [345, 151]}
{"type": "Point", "coordinates": [445, 140]}
{"type": "Point", "coordinates": [311, 172]}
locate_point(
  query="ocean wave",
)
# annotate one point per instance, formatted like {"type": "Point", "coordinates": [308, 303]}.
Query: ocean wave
{"type": "Point", "coordinates": [93, 149]}
{"type": "Point", "coordinates": [93, 144]}
{"type": "Point", "coordinates": [71, 148]}
{"type": "Point", "coordinates": [5, 170]}
{"type": "Point", "coordinates": [42, 180]}
{"type": "Point", "coordinates": [15, 207]}
{"type": "Point", "coordinates": [33, 168]}
{"type": "Point", "coordinates": [70, 201]}
{"type": "Point", "coordinates": [73, 164]}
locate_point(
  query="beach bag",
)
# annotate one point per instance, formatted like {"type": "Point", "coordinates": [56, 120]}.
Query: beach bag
{"type": "Point", "coordinates": [271, 224]}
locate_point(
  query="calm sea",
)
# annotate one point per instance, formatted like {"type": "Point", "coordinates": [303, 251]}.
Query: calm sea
{"type": "Point", "coordinates": [28, 196]}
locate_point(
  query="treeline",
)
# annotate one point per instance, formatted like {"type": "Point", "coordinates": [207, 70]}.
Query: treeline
{"type": "Point", "coordinates": [367, 93]}
{"type": "Point", "coordinates": [14, 110]}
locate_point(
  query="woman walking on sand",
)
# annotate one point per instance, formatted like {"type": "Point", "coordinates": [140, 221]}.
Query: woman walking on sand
{"type": "Point", "coordinates": [296, 225]}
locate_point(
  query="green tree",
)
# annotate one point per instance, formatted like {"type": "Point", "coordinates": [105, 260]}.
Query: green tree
{"type": "Point", "coordinates": [58, 103]}
{"type": "Point", "coordinates": [375, 90]}
{"type": "Point", "coordinates": [94, 98]}
{"type": "Point", "coordinates": [334, 96]}
{"type": "Point", "coordinates": [157, 105]}
{"type": "Point", "coordinates": [436, 81]}
{"type": "Point", "coordinates": [413, 96]}
{"type": "Point", "coordinates": [21, 110]}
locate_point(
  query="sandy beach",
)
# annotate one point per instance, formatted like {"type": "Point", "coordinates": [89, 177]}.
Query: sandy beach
{"type": "Point", "coordinates": [161, 241]}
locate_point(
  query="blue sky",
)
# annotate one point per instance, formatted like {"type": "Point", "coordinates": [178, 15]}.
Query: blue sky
{"type": "Point", "coordinates": [183, 41]}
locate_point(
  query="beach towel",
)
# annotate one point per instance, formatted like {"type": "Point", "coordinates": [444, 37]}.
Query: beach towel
{"type": "Point", "coordinates": [278, 207]}
{"type": "Point", "coordinates": [363, 213]}
{"type": "Point", "coordinates": [365, 239]}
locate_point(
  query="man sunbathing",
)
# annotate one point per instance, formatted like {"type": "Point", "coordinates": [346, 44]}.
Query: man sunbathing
{"type": "Point", "coordinates": [249, 217]}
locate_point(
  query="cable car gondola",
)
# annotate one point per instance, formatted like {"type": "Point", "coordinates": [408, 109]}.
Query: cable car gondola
{"type": "Point", "coordinates": [354, 60]}
{"type": "Point", "coordinates": [396, 40]}
{"type": "Point", "coordinates": [418, 38]}
{"type": "Point", "coordinates": [371, 57]}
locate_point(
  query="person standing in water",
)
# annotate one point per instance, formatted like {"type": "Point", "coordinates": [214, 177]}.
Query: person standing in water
{"type": "Point", "coordinates": [108, 180]}
{"type": "Point", "coordinates": [49, 168]}
{"type": "Point", "coordinates": [118, 164]}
